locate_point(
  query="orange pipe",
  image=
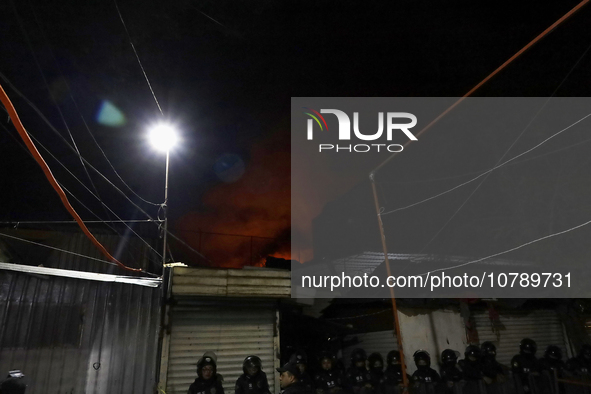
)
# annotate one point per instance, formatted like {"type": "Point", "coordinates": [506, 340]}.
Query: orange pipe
{"type": "Point", "coordinates": [39, 159]}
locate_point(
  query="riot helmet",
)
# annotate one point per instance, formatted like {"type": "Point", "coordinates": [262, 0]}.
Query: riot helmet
{"type": "Point", "coordinates": [422, 358]}
{"type": "Point", "coordinates": [553, 352]}
{"type": "Point", "coordinates": [252, 365]}
{"type": "Point", "coordinates": [207, 360]}
{"type": "Point", "coordinates": [300, 357]}
{"type": "Point", "coordinates": [357, 357]}
{"type": "Point", "coordinates": [586, 352]}
{"type": "Point", "coordinates": [449, 357]}
{"type": "Point", "coordinates": [488, 349]}
{"type": "Point", "coordinates": [528, 346]}
{"type": "Point", "coordinates": [393, 357]}
{"type": "Point", "coordinates": [472, 353]}
{"type": "Point", "coordinates": [376, 361]}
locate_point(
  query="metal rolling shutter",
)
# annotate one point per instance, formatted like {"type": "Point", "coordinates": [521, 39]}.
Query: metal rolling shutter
{"type": "Point", "coordinates": [379, 341]}
{"type": "Point", "coordinates": [234, 329]}
{"type": "Point", "coordinates": [543, 326]}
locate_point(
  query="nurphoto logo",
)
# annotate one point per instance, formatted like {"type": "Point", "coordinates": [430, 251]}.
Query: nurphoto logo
{"type": "Point", "coordinates": [392, 125]}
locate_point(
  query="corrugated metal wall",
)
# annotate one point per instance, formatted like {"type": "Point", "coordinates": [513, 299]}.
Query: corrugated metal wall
{"type": "Point", "coordinates": [543, 326]}
{"type": "Point", "coordinates": [78, 336]}
{"type": "Point", "coordinates": [233, 328]}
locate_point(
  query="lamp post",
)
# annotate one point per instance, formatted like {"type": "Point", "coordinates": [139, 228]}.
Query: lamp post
{"type": "Point", "coordinates": [163, 137]}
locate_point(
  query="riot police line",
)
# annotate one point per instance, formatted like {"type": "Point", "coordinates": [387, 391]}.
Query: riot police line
{"type": "Point", "coordinates": [477, 373]}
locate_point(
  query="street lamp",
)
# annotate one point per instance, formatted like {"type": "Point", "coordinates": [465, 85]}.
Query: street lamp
{"type": "Point", "coordinates": [163, 137]}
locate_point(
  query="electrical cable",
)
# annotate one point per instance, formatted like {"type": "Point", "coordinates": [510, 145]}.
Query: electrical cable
{"type": "Point", "coordinates": [89, 191]}
{"type": "Point", "coordinates": [137, 57]}
{"type": "Point", "coordinates": [495, 72]}
{"type": "Point", "coordinates": [487, 171]}
{"type": "Point", "coordinates": [512, 249]}
{"type": "Point", "coordinates": [60, 250]}
{"type": "Point", "coordinates": [480, 172]}
{"type": "Point", "coordinates": [24, 32]}
{"type": "Point", "coordinates": [25, 136]}
{"type": "Point", "coordinates": [372, 174]}
{"type": "Point", "coordinates": [84, 120]}
{"type": "Point", "coordinates": [51, 127]}
{"type": "Point", "coordinates": [510, 147]}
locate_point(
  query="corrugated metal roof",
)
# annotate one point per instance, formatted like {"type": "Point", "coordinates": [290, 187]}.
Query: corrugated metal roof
{"type": "Point", "coordinates": [247, 282]}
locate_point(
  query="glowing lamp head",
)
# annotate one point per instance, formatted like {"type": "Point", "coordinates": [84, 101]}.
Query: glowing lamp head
{"type": "Point", "coordinates": [163, 137]}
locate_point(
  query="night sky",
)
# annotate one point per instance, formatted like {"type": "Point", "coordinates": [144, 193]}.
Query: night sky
{"type": "Point", "coordinates": [224, 72]}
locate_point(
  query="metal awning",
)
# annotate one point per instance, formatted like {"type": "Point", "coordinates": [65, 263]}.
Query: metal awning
{"type": "Point", "coordinates": [134, 280]}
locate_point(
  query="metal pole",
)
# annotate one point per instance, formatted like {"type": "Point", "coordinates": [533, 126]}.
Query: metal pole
{"type": "Point", "coordinates": [167, 273]}
{"type": "Point", "coordinates": [165, 209]}
{"type": "Point", "coordinates": [394, 307]}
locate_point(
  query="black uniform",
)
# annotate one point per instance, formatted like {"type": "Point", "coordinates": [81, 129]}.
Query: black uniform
{"type": "Point", "coordinates": [306, 380]}
{"type": "Point", "coordinates": [552, 361]}
{"type": "Point", "coordinates": [298, 388]}
{"type": "Point", "coordinates": [393, 374]}
{"type": "Point", "coordinates": [471, 365]}
{"type": "Point", "coordinates": [424, 373]}
{"type": "Point", "coordinates": [301, 358]}
{"type": "Point", "coordinates": [210, 386]}
{"type": "Point", "coordinates": [491, 368]}
{"type": "Point", "coordinates": [256, 384]}
{"type": "Point", "coordinates": [581, 364]}
{"type": "Point", "coordinates": [331, 381]}
{"type": "Point", "coordinates": [525, 363]}
{"type": "Point", "coordinates": [451, 372]}
{"type": "Point", "coordinates": [358, 378]}
{"type": "Point", "coordinates": [376, 370]}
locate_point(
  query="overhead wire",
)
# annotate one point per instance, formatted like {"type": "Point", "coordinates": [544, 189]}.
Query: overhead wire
{"type": "Point", "coordinates": [513, 144]}
{"type": "Point", "coordinates": [70, 93]}
{"type": "Point", "coordinates": [486, 79]}
{"type": "Point", "coordinates": [498, 165]}
{"type": "Point", "coordinates": [60, 250]}
{"type": "Point", "coordinates": [480, 172]}
{"type": "Point", "coordinates": [137, 57]}
{"type": "Point", "coordinates": [512, 249]}
{"type": "Point", "coordinates": [51, 127]}
{"type": "Point", "coordinates": [67, 251]}
{"type": "Point", "coordinates": [62, 117]}
{"type": "Point", "coordinates": [49, 175]}
{"type": "Point", "coordinates": [87, 189]}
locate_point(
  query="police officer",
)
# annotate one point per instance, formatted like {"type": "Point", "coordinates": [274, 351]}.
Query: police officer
{"type": "Point", "coordinates": [552, 360]}
{"type": "Point", "coordinates": [330, 380]}
{"type": "Point", "coordinates": [301, 359]}
{"type": "Point", "coordinates": [471, 365]}
{"type": "Point", "coordinates": [208, 381]}
{"type": "Point", "coordinates": [14, 383]}
{"type": "Point", "coordinates": [525, 364]}
{"type": "Point", "coordinates": [376, 370]}
{"type": "Point", "coordinates": [357, 375]}
{"type": "Point", "coordinates": [253, 380]}
{"type": "Point", "coordinates": [451, 372]}
{"type": "Point", "coordinates": [424, 373]}
{"type": "Point", "coordinates": [492, 370]}
{"type": "Point", "coordinates": [393, 374]}
{"type": "Point", "coordinates": [289, 379]}
{"type": "Point", "coordinates": [552, 365]}
{"type": "Point", "coordinates": [581, 364]}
